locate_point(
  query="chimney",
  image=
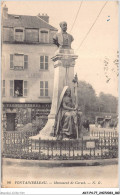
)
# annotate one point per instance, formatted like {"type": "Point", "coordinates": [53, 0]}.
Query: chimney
{"type": "Point", "coordinates": [5, 11]}
{"type": "Point", "coordinates": [44, 17]}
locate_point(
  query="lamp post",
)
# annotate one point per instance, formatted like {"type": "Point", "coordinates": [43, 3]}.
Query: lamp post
{"type": "Point", "coordinates": [75, 81]}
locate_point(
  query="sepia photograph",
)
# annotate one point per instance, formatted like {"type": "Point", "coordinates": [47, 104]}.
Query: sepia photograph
{"type": "Point", "coordinates": [59, 88]}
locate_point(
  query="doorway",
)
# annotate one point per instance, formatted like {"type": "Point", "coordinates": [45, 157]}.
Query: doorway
{"type": "Point", "coordinates": [11, 121]}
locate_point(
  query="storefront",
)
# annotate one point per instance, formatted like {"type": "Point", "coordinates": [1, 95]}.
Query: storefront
{"type": "Point", "coordinates": [18, 115]}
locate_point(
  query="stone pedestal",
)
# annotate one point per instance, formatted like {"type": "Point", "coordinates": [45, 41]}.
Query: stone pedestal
{"type": "Point", "coordinates": [64, 62]}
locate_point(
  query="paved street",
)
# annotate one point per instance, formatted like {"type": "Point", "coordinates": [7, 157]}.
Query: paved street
{"type": "Point", "coordinates": [31, 174]}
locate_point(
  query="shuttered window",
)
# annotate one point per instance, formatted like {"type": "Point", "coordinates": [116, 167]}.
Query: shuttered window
{"type": "Point", "coordinates": [18, 61]}
{"type": "Point", "coordinates": [19, 35]}
{"type": "Point", "coordinates": [43, 62]}
{"type": "Point", "coordinates": [20, 86]}
{"type": "Point", "coordinates": [44, 36]}
{"type": "Point", "coordinates": [43, 88]}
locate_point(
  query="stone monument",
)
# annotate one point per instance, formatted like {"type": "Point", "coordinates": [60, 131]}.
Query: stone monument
{"type": "Point", "coordinates": [64, 62]}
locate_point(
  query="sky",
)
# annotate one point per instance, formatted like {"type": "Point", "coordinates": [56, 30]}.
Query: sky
{"type": "Point", "coordinates": [101, 42]}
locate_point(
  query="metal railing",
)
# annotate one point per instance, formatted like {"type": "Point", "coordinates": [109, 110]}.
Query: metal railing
{"type": "Point", "coordinates": [20, 145]}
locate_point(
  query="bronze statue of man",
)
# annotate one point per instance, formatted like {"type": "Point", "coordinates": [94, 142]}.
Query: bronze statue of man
{"type": "Point", "coordinates": [63, 39]}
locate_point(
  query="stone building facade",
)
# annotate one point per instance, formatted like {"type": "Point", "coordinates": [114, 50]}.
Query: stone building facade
{"type": "Point", "coordinates": [27, 69]}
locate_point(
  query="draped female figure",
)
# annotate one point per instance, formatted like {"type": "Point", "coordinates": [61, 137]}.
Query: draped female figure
{"type": "Point", "coordinates": [67, 118]}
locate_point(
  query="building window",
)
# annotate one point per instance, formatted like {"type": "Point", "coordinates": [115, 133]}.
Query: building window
{"type": "Point", "coordinates": [18, 61]}
{"type": "Point", "coordinates": [3, 88]}
{"type": "Point", "coordinates": [18, 88]}
{"type": "Point", "coordinates": [43, 62]}
{"type": "Point", "coordinates": [44, 36]}
{"type": "Point", "coordinates": [43, 88]}
{"type": "Point", "coordinates": [19, 34]}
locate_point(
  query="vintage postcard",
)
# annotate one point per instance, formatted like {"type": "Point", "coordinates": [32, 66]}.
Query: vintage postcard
{"type": "Point", "coordinates": [59, 94]}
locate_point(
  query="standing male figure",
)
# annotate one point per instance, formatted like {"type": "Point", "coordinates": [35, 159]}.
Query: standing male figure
{"type": "Point", "coordinates": [63, 39]}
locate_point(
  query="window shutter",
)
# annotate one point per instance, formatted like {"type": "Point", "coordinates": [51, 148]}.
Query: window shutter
{"type": "Point", "coordinates": [25, 88]}
{"type": "Point", "coordinates": [11, 88]}
{"type": "Point", "coordinates": [41, 84]}
{"type": "Point", "coordinates": [3, 83]}
{"type": "Point", "coordinates": [25, 61]}
{"type": "Point", "coordinates": [46, 88]}
{"type": "Point", "coordinates": [46, 84]}
{"type": "Point", "coordinates": [46, 62]}
{"type": "Point", "coordinates": [41, 62]}
{"type": "Point", "coordinates": [41, 88]}
{"type": "Point", "coordinates": [11, 61]}
{"type": "Point", "coordinates": [3, 91]}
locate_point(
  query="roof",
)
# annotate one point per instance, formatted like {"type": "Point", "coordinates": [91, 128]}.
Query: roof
{"type": "Point", "coordinates": [26, 22]}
